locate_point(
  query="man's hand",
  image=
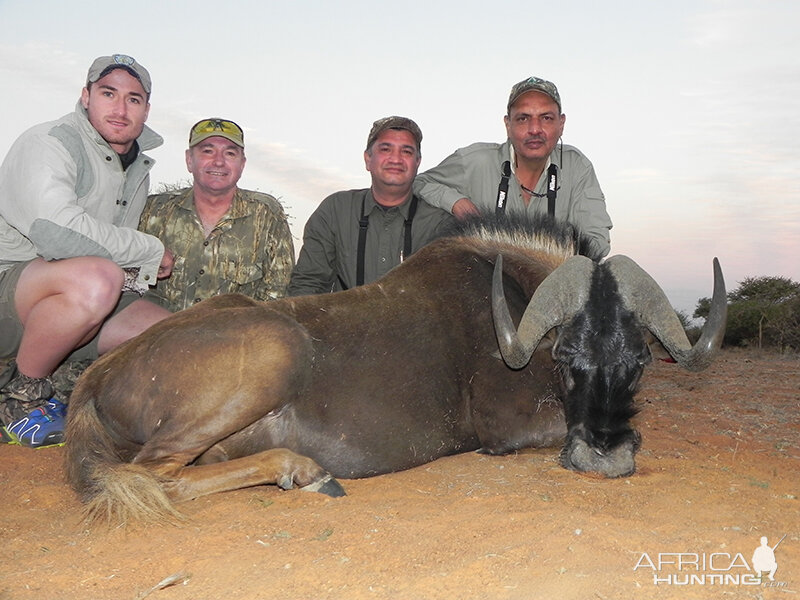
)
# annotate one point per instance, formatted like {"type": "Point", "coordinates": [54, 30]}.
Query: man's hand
{"type": "Point", "coordinates": [464, 208]}
{"type": "Point", "coordinates": [167, 262]}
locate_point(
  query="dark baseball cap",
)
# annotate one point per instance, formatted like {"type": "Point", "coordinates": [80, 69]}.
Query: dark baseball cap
{"type": "Point", "coordinates": [394, 122]}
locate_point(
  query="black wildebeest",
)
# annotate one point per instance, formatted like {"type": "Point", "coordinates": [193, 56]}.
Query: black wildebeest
{"type": "Point", "coordinates": [426, 362]}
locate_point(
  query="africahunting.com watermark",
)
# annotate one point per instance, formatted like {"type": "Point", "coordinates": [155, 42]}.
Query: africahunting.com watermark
{"type": "Point", "coordinates": [714, 568]}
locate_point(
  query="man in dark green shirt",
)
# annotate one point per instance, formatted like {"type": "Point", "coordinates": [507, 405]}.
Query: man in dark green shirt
{"type": "Point", "coordinates": [356, 236]}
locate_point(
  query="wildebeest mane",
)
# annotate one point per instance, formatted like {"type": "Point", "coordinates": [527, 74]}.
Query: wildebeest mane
{"type": "Point", "coordinates": [540, 232]}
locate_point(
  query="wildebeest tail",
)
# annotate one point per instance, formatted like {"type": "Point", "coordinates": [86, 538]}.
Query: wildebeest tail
{"type": "Point", "coordinates": [113, 491]}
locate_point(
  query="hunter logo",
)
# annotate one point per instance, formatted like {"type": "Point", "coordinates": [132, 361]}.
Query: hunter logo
{"type": "Point", "coordinates": [764, 558]}
{"type": "Point", "coordinates": [715, 568]}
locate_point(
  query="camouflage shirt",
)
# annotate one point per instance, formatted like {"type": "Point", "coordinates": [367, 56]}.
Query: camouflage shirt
{"type": "Point", "coordinates": [250, 251]}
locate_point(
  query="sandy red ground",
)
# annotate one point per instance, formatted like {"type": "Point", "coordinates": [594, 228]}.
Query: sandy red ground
{"type": "Point", "coordinates": [719, 468]}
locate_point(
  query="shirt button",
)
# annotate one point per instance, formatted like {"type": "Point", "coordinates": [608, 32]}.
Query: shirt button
{"type": "Point", "coordinates": [147, 277]}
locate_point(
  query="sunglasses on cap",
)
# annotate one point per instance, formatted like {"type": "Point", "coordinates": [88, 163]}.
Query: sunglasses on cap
{"type": "Point", "coordinates": [216, 127]}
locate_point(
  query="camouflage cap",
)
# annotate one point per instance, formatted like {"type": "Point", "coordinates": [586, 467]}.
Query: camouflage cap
{"type": "Point", "coordinates": [534, 84]}
{"type": "Point", "coordinates": [103, 65]}
{"type": "Point", "coordinates": [381, 125]}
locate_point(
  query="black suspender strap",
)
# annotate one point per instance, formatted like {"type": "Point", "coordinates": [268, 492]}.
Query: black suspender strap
{"type": "Point", "coordinates": [363, 223]}
{"type": "Point", "coordinates": [502, 189]}
{"type": "Point", "coordinates": [552, 188]}
{"type": "Point", "coordinates": [412, 209]}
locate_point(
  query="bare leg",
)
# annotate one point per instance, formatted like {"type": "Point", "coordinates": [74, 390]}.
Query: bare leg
{"type": "Point", "coordinates": [129, 323]}
{"type": "Point", "coordinates": [62, 305]}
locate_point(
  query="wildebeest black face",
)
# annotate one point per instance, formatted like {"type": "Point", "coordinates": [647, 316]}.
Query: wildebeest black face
{"type": "Point", "coordinates": [601, 314]}
{"type": "Point", "coordinates": [601, 354]}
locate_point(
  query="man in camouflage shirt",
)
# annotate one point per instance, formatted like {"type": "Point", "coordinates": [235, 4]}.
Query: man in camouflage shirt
{"type": "Point", "coordinates": [224, 239]}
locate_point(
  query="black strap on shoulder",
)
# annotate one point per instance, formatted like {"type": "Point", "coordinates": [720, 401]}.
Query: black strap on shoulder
{"type": "Point", "coordinates": [412, 210]}
{"type": "Point", "coordinates": [363, 223]}
{"type": "Point", "coordinates": [502, 189]}
{"type": "Point", "coordinates": [552, 189]}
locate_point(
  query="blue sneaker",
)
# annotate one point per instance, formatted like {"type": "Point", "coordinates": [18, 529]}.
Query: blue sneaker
{"type": "Point", "coordinates": [41, 428]}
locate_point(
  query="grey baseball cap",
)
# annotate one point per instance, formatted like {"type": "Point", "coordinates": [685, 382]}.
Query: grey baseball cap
{"type": "Point", "coordinates": [534, 84]}
{"type": "Point", "coordinates": [103, 65]}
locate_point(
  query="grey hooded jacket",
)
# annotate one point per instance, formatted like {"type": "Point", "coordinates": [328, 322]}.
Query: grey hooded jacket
{"type": "Point", "coordinates": [64, 194]}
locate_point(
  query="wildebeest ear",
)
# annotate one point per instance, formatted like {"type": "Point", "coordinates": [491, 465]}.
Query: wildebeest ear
{"type": "Point", "coordinates": [656, 348]}
{"type": "Point", "coordinates": [546, 343]}
{"type": "Point", "coordinates": [549, 339]}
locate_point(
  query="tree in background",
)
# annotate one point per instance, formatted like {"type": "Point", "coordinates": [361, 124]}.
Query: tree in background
{"type": "Point", "coordinates": [762, 311]}
{"type": "Point", "coordinates": [692, 330]}
{"type": "Point", "coordinates": [165, 188]}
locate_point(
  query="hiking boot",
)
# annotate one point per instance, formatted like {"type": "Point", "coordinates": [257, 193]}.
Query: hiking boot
{"type": "Point", "coordinates": [41, 428]}
{"type": "Point", "coordinates": [22, 395]}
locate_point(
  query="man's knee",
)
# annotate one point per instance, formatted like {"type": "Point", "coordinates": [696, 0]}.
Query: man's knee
{"type": "Point", "coordinates": [99, 285]}
{"type": "Point", "coordinates": [88, 284]}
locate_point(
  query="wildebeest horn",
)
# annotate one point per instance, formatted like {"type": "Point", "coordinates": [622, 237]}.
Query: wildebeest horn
{"type": "Point", "coordinates": [643, 296]}
{"type": "Point", "coordinates": [562, 294]}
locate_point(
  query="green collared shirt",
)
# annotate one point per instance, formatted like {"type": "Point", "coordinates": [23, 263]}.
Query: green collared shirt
{"type": "Point", "coordinates": [250, 251]}
{"type": "Point", "coordinates": [328, 258]}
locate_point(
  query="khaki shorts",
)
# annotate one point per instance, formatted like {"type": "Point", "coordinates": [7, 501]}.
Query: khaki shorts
{"type": "Point", "coordinates": [11, 327]}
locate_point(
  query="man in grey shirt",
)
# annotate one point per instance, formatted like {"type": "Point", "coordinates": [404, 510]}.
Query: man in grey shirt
{"type": "Point", "coordinates": [529, 173]}
{"type": "Point", "coordinates": [71, 192]}
{"type": "Point", "coordinates": [356, 236]}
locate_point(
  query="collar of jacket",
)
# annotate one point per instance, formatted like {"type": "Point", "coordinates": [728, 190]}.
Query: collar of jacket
{"type": "Point", "coordinates": [512, 157]}
{"type": "Point", "coordinates": [147, 140]}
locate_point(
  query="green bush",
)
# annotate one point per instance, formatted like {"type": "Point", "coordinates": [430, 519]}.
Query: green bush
{"type": "Point", "coordinates": [762, 312]}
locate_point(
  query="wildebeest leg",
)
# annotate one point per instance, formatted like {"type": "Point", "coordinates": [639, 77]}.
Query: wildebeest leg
{"type": "Point", "coordinates": [263, 355]}
{"type": "Point", "coordinates": [275, 466]}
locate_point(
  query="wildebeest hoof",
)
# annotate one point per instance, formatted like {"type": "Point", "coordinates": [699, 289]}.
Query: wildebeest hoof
{"type": "Point", "coordinates": [327, 485]}
{"type": "Point", "coordinates": [618, 462]}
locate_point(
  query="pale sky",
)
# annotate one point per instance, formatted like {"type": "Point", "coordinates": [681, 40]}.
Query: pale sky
{"type": "Point", "coordinates": [688, 109]}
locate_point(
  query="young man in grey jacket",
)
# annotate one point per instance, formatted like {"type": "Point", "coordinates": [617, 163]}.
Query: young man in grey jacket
{"type": "Point", "coordinates": [71, 192]}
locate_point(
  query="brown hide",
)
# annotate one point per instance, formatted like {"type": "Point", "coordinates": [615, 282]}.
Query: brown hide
{"type": "Point", "coordinates": [380, 378]}
{"type": "Point", "coordinates": [405, 371]}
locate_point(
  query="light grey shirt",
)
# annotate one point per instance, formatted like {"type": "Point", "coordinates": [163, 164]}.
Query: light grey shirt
{"type": "Point", "coordinates": [474, 172]}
